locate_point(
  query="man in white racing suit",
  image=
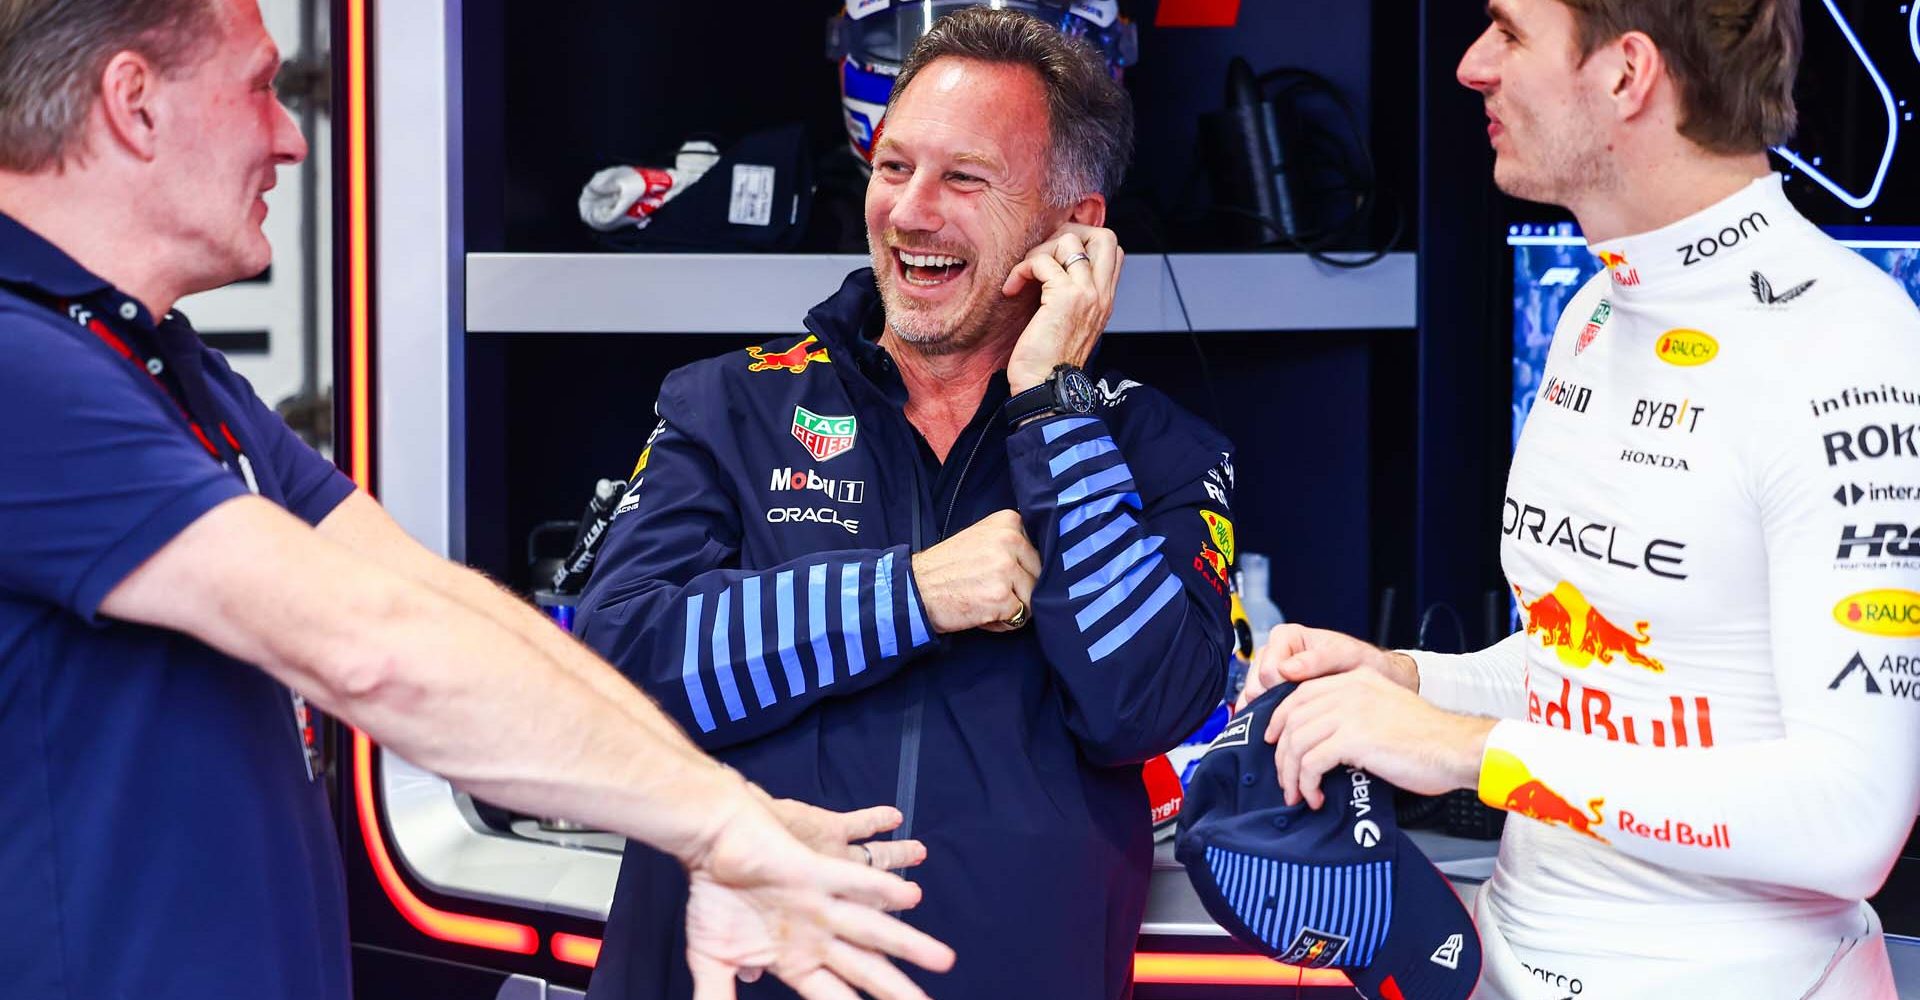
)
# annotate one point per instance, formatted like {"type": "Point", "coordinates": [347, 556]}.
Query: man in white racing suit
{"type": "Point", "coordinates": [1707, 731]}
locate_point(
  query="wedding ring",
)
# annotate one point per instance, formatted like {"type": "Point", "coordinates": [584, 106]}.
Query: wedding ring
{"type": "Point", "coordinates": [868, 851]}
{"type": "Point", "coordinates": [1019, 617]}
{"type": "Point", "coordinates": [1075, 259]}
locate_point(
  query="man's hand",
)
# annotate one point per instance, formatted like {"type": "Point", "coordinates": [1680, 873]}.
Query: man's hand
{"type": "Point", "coordinates": [1297, 653]}
{"type": "Point", "coordinates": [761, 900]}
{"type": "Point", "coordinates": [1075, 301]}
{"type": "Point", "coordinates": [847, 835]}
{"type": "Point", "coordinates": [1362, 719]}
{"type": "Point", "coordinates": [979, 578]}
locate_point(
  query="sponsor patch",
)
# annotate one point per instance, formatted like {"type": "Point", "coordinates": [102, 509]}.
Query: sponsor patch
{"type": "Point", "coordinates": [1314, 949]}
{"type": "Point", "coordinates": [1237, 734]}
{"type": "Point", "coordinates": [1892, 613]}
{"type": "Point", "coordinates": [1601, 313]}
{"type": "Point", "coordinates": [1898, 676]}
{"type": "Point", "coordinates": [789, 479]}
{"type": "Point", "coordinates": [824, 437]}
{"type": "Point", "coordinates": [1686, 348]}
{"type": "Point", "coordinates": [1220, 532]}
{"type": "Point", "coordinates": [812, 515]}
{"type": "Point", "coordinates": [794, 359]}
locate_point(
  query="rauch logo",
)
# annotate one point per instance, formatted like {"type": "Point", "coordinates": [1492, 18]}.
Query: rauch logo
{"type": "Point", "coordinates": [1686, 348]}
{"type": "Point", "coordinates": [1881, 612]}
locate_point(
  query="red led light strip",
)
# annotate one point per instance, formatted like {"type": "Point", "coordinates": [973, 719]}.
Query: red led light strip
{"type": "Point", "coordinates": [481, 932]}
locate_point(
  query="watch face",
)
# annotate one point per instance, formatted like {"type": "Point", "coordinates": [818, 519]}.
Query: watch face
{"type": "Point", "coordinates": [1076, 391]}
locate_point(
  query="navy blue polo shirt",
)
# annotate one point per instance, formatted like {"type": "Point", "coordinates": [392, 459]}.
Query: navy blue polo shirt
{"type": "Point", "coordinates": [159, 837]}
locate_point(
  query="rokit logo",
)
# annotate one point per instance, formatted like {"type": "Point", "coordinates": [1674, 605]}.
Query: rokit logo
{"type": "Point", "coordinates": [1882, 543]}
{"type": "Point", "coordinates": [1600, 542]}
{"type": "Point", "coordinates": [843, 490]}
{"type": "Point", "coordinates": [812, 515]}
{"type": "Point", "coordinates": [1726, 239]}
{"type": "Point", "coordinates": [1566, 395]}
{"type": "Point", "coordinates": [1901, 673]}
{"type": "Point", "coordinates": [1871, 442]}
{"type": "Point", "coordinates": [1664, 415]}
{"type": "Point", "coordinates": [1653, 461]}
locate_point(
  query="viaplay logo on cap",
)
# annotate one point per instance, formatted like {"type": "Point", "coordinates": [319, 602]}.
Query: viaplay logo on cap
{"type": "Point", "coordinates": [824, 437]}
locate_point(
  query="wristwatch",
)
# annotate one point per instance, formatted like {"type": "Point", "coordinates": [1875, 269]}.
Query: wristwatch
{"type": "Point", "coordinates": [1066, 390]}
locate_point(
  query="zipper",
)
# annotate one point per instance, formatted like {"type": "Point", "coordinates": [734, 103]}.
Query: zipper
{"type": "Point", "coordinates": [908, 782]}
{"type": "Point", "coordinates": [954, 500]}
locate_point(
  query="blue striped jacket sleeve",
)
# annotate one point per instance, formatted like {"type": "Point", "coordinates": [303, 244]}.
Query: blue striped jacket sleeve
{"type": "Point", "coordinates": [1133, 619]}
{"type": "Point", "coordinates": [734, 654]}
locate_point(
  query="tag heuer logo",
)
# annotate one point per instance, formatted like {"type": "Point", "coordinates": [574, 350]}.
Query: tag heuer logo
{"type": "Point", "coordinates": [823, 437]}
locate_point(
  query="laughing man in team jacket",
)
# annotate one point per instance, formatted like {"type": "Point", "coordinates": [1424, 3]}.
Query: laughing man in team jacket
{"type": "Point", "coordinates": [909, 556]}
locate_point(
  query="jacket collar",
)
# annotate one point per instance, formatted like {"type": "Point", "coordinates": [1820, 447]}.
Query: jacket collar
{"type": "Point", "coordinates": [27, 259]}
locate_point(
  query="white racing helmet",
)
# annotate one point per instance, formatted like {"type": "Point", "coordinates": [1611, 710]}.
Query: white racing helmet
{"type": "Point", "coordinates": [871, 39]}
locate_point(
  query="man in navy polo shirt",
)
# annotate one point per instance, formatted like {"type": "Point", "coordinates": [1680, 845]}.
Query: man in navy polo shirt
{"type": "Point", "coordinates": [163, 534]}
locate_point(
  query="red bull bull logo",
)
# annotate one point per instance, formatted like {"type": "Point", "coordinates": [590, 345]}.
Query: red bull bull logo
{"type": "Point", "coordinates": [1580, 634]}
{"type": "Point", "coordinates": [1623, 272]}
{"type": "Point", "coordinates": [794, 359]}
{"type": "Point", "coordinates": [1212, 567]}
{"type": "Point", "coordinates": [1505, 783]}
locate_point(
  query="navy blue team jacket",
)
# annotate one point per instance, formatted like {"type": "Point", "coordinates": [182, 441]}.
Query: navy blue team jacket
{"type": "Point", "coordinates": [757, 582]}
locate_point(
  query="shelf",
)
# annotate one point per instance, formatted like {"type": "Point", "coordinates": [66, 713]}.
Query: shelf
{"type": "Point", "coordinates": [770, 293]}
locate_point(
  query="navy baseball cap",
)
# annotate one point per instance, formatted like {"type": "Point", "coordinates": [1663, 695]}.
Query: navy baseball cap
{"type": "Point", "coordinates": [1336, 887]}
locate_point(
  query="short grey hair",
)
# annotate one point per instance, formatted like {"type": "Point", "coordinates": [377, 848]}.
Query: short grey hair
{"type": "Point", "coordinates": [52, 53]}
{"type": "Point", "coordinates": [1089, 115]}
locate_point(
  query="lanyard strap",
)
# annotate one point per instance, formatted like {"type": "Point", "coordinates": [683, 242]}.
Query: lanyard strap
{"type": "Point", "coordinates": [191, 404]}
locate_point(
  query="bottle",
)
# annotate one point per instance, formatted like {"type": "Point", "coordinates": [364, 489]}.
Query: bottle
{"type": "Point", "coordinates": [1262, 613]}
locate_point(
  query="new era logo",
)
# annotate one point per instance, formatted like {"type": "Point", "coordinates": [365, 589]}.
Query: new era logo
{"type": "Point", "coordinates": [1448, 954]}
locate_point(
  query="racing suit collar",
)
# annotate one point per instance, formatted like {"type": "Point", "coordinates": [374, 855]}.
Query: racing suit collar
{"type": "Point", "coordinates": [849, 323]}
{"type": "Point", "coordinates": [1701, 243]}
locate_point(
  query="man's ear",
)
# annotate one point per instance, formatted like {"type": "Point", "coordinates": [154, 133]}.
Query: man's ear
{"type": "Point", "coordinates": [127, 103]}
{"type": "Point", "coordinates": [1640, 68]}
{"type": "Point", "coordinates": [1089, 211]}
